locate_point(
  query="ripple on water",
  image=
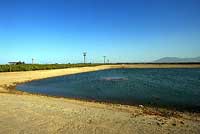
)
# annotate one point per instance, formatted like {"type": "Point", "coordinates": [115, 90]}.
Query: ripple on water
{"type": "Point", "coordinates": [113, 78]}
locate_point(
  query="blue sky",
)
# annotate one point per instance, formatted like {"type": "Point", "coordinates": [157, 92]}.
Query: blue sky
{"type": "Point", "coordinates": [59, 31]}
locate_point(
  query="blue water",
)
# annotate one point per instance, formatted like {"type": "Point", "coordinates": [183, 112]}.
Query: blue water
{"type": "Point", "coordinates": [176, 88]}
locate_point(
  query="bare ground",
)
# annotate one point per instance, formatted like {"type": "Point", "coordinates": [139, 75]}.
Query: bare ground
{"type": "Point", "coordinates": [25, 113]}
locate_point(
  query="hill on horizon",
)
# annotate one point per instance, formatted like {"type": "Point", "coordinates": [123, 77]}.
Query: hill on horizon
{"type": "Point", "coordinates": [176, 59]}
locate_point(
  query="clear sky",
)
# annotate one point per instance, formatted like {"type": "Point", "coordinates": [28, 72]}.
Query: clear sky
{"type": "Point", "coordinates": [59, 31]}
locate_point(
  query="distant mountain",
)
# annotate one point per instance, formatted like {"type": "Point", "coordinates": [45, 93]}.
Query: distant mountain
{"type": "Point", "coordinates": [176, 59]}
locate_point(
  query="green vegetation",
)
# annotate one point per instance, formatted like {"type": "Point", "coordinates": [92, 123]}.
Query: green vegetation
{"type": "Point", "coordinates": [31, 67]}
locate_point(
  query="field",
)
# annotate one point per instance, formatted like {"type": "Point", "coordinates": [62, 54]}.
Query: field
{"type": "Point", "coordinates": [32, 67]}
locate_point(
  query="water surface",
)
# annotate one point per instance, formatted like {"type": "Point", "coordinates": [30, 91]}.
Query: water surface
{"type": "Point", "coordinates": [178, 88]}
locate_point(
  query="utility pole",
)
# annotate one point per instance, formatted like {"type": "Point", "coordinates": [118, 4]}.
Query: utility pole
{"type": "Point", "coordinates": [104, 57]}
{"type": "Point", "coordinates": [108, 61]}
{"type": "Point", "coordinates": [84, 55]}
{"type": "Point", "coordinates": [32, 61]}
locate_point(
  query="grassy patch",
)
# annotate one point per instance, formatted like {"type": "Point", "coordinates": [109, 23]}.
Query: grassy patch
{"type": "Point", "coordinates": [32, 67]}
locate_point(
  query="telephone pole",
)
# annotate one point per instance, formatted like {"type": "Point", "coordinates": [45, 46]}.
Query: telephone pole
{"type": "Point", "coordinates": [84, 55]}
{"type": "Point", "coordinates": [32, 61]}
{"type": "Point", "coordinates": [104, 57]}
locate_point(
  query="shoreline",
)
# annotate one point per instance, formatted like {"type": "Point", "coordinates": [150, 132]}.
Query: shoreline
{"type": "Point", "coordinates": [11, 87]}
{"type": "Point", "coordinates": [42, 74]}
{"type": "Point", "coordinates": [98, 114]}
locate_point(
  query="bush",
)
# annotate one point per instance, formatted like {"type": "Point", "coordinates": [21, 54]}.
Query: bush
{"type": "Point", "coordinates": [31, 67]}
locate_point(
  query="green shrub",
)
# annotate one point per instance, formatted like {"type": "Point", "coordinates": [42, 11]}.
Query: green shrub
{"type": "Point", "coordinates": [31, 67]}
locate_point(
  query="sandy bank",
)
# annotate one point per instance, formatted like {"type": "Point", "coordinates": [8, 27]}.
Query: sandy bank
{"type": "Point", "coordinates": [40, 114]}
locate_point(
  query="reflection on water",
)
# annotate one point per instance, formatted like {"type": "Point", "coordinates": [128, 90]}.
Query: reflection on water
{"type": "Point", "coordinates": [159, 87]}
{"type": "Point", "coordinates": [113, 78]}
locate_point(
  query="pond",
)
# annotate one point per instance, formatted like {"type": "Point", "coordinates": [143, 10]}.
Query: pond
{"type": "Point", "coordinates": [176, 88]}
